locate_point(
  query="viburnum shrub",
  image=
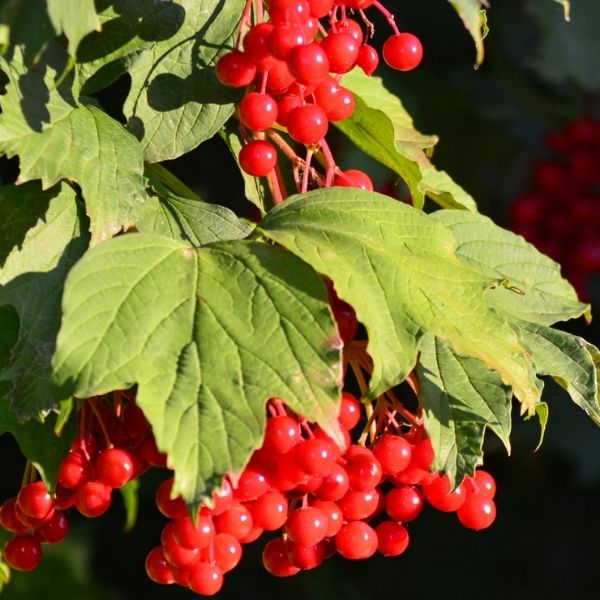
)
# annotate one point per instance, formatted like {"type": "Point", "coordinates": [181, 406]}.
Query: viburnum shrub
{"type": "Point", "coordinates": [315, 376]}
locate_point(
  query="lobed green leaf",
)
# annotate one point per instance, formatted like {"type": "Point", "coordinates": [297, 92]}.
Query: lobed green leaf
{"type": "Point", "coordinates": [208, 335]}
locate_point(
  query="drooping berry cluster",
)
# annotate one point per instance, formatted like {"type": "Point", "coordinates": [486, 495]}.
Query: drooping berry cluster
{"type": "Point", "coordinates": [561, 216]}
{"type": "Point", "coordinates": [115, 444]}
{"type": "Point", "coordinates": [323, 500]}
{"type": "Point", "coordinates": [291, 57]}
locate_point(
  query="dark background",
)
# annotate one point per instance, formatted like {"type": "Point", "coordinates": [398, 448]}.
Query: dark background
{"type": "Point", "coordinates": [539, 74]}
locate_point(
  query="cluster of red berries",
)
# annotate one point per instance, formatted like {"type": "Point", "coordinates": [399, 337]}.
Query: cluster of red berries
{"type": "Point", "coordinates": [323, 500]}
{"type": "Point", "coordinates": [291, 64]}
{"type": "Point", "coordinates": [86, 478]}
{"type": "Point", "coordinates": [561, 216]}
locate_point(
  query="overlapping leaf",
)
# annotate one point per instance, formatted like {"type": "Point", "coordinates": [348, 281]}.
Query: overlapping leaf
{"type": "Point", "coordinates": [399, 269]}
{"type": "Point", "coordinates": [56, 137]}
{"type": "Point", "coordinates": [208, 335]}
{"type": "Point", "coordinates": [531, 287]}
{"type": "Point", "coordinates": [31, 281]}
{"type": "Point", "coordinates": [381, 127]}
{"type": "Point", "coordinates": [33, 23]}
{"type": "Point", "coordinates": [175, 102]}
{"type": "Point", "coordinates": [461, 398]}
{"type": "Point", "coordinates": [126, 28]}
{"type": "Point", "coordinates": [182, 218]}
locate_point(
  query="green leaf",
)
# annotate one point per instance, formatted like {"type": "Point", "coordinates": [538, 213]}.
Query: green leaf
{"type": "Point", "coordinates": [183, 219]}
{"type": "Point", "coordinates": [131, 501]}
{"type": "Point", "coordinates": [398, 268]}
{"type": "Point", "coordinates": [381, 127]}
{"type": "Point", "coordinates": [126, 28]}
{"type": "Point", "coordinates": [18, 28]}
{"type": "Point", "coordinates": [208, 334]}
{"type": "Point", "coordinates": [571, 361]}
{"type": "Point", "coordinates": [532, 288]}
{"type": "Point", "coordinates": [566, 8]}
{"type": "Point", "coordinates": [74, 18]}
{"type": "Point", "coordinates": [461, 398]}
{"type": "Point", "coordinates": [57, 138]}
{"type": "Point", "coordinates": [37, 441]}
{"type": "Point", "coordinates": [474, 18]}
{"type": "Point", "coordinates": [20, 208]}
{"type": "Point", "coordinates": [31, 281]}
{"type": "Point", "coordinates": [176, 102]}
{"type": "Point", "coordinates": [9, 333]}
{"type": "Point", "coordinates": [542, 412]}
{"type": "Point", "coordinates": [255, 188]}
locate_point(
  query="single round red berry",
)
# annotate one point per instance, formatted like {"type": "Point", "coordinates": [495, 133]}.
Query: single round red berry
{"type": "Point", "coordinates": [350, 414]}
{"type": "Point", "coordinates": [364, 472]}
{"type": "Point", "coordinates": [393, 452]}
{"type": "Point", "coordinates": [403, 51]}
{"type": "Point", "coordinates": [308, 63]}
{"type": "Point", "coordinates": [158, 568]}
{"type": "Point", "coordinates": [93, 499]}
{"type": "Point", "coordinates": [392, 538]}
{"type": "Point", "coordinates": [308, 124]}
{"type": "Point", "coordinates": [270, 511]}
{"type": "Point", "coordinates": [356, 540]}
{"type": "Point", "coordinates": [404, 503]}
{"type": "Point", "coordinates": [354, 178]}
{"type": "Point", "coordinates": [177, 555]}
{"type": "Point", "coordinates": [306, 557]}
{"type": "Point", "coordinates": [205, 579]}
{"type": "Point", "coordinates": [440, 495]}
{"type": "Point", "coordinates": [258, 111]}
{"type": "Point", "coordinates": [258, 158]}
{"type": "Point", "coordinates": [235, 69]}
{"type": "Point", "coordinates": [23, 552]}
{"type": "Point", "coordinates": [34, 500]}
{"type": "Point", "coordinates": [481, 483]}
{"type": "Point", "coordinates": [315, 456]}
{"type": "Point", "coordinates": [236, 521]}
{"type": "Point", "coordinates": [368, 59]}
{"type": "Point", "coordinates": [334, 485]}
{"type": "Point", "coordinates": [227, 551]}
{"type": "Point", "coordinates": [190, 535]}
{"type": "Point", "coordinates": [9, 519]}
{"type": "Point", "coordinates": [477, 512]}
{"type": "Point", "coordinates": [275, 559]}
{"type": "Point", "coordinates": [56, 530]}
{"type": "Point", "coordinates": [307, 526]}
{"type": "Point", "coordinates": [114, 467]}
{"type": "Point", "coordinates": [341, 50]}
{"type": "Point", "coordinates": [75, 469]}
{"type": "Point", "coordinates": [174, 508]}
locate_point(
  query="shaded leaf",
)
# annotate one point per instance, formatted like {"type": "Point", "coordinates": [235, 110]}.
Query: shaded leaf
{"type": "Point", "coordinates": [32, 281]}
{"type": "Point", "coordinates": [381, 127]}
{"type": "Point", "coordinates": [20, 208]}
{"type": "Point", "coordinates": [533, 288]}
{"type": "Point", "coordinates": [37, 441]}
{"type": "Point", "coordinates": [175, 102]}
{"type": "Point", "coordinates": [208, 334]}
{"type": "Point", "coordinates": [398, 268]}
{"type": "Point", "coordinates": [571, 361]}
{"type": "Point", "coordinates": [473, 15]}
{"type": "Point", "coordinates": [74, 18]}
{"type": "Point", "coordinates": [461, 398]}
{"type": "Point", "coordinates": [55, 138]}
{"type": "Point", "coordinates": [126, 28]}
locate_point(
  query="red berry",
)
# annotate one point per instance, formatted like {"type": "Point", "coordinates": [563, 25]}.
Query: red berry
{"type": "Point", "coordinates": [306, 557]}
{"type": "Point", "coordinates": [350, 414]}
{"type": "Point", "coordinates": [177, 555]}
{"type": "Point", "coordinates": [285, 106]}
{"type": "Point", "coordinates": [275, 559]}
{"type": "Point", "coordinates": [481, 483]}
{"type": "Point", "coordinates": [258, 158]}
{"type": "Point", "coordinates": [364, 472]}
{"type": "Point", "coordinates": [308, 124]}
{"type": "Point", "coordinates": [368, 59]}
{"type": "Point", "coordinates": [251, 484]}
{"type": "Point", "coordinates": [404, 503]}
{"type": "Point", "coordinates": [56, 530]}
{"type": "Point", "coordinates": [9, 519]}
{"type": "Point", "coordinates": [307, 526]}
{"type": "Point", "coordinates": [281, 434]}
{"type": "Point", "coordinates": [392, 538]}
{"type": "Point", "coordinates": [315, 456]}
{"type": "Point", "coordinates": [256, 46]}
{"type": "Point", "coordinates": [114, 467]}
{"type": "Point", "coordinates": [320, 8]}
{"type": "Point", "coordinates": [270, 511]}
{"type": "Point", "coordinates": [344, 106]}
{"type": "Point", "coordinates": [75, 469]}
{"type": "Point", "coordinates": [235, 69]}
{"type": "Point", "coordinates": [284, 38]}
{"type": "Point", "coordinates": [205, 579]}
{"type": "Point", "coordinates": [258, 111]}
{"type": "Point", "coordinates": [236, 521]}
{"type": "Point", "coordinates": [440, 495]}
{"type": "Point", "coordinates": [349, 26]}
{"type": "Point", "coordinates": [403, 51]}
{"type": "Point", "coordinates": [190, 535]}
{"type": "Point", "coordinates": [354, 178]}
{"type": "Point", "coordinates": [35, 501]}
{"type": "Point", "coordinates": [357, 505]}
{"type": "Point", "coordinates": [393, 452]}
{"type": "Point", "coordinates": [477, 512]}
{"type": "Point", "coordinates": [341, 50]}
{"type": "Point", "coordinates": [227, 551]}
{"type": "Point", "coordinates": [334, 485]}
{"type": "Point", "coordinates": [308, 63]}
{"type": "Point", "coordinates": [334, 515]}
{"type": "Point", "coordinates": [93, 499]}
{"type": "Point", "coordinates": [157, 567]}
{"type": "Point", "coordinates": [23, 552]}
{"type": "Point", "coordinates": [423, 454]}
{"type": "Point", "coordinates": [356, 540]}
{"type": "Point", "coordinates": [173, 508]}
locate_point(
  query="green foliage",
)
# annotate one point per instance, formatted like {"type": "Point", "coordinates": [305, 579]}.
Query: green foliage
{"type": "Point", "coordinates": [210, 317]}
